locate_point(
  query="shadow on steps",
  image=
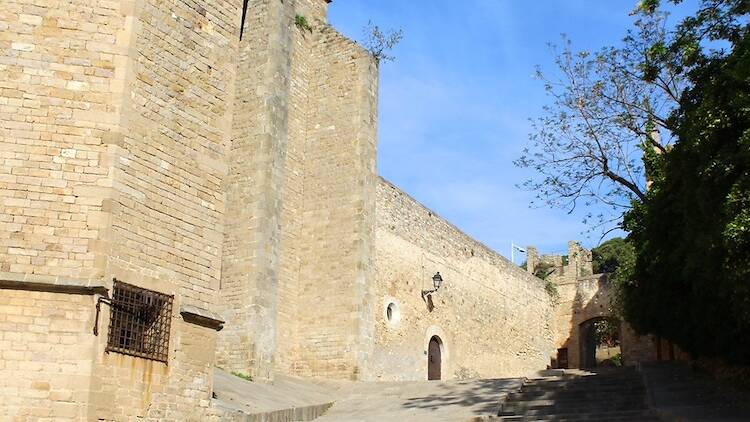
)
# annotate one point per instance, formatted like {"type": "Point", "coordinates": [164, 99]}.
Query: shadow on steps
{"type": "Point", "coordinates": [602, 395]}
{"type": "Point", "coordinates": [679, 393]}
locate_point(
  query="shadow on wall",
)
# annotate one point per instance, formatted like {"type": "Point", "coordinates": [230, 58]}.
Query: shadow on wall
{"type": "Point", "coordinates": [481, 396]}
{"type": "Point", "coordinates": [596, 336]}
{"type": "Point", "coordinates": [599, 342]}
{"type": "Point", "coordinates": [590, 313]}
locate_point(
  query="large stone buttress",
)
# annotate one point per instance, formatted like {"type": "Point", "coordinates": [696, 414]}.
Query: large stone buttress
{"type": "Point", "coordinates": [300, 191]}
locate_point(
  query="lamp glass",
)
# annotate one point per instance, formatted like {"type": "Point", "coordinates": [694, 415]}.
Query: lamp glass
{"type": "Point", "coordinates": [437, 280]}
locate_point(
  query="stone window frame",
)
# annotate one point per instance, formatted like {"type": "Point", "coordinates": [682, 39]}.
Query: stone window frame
{"type": "Point", "coordinates": [391, 312]}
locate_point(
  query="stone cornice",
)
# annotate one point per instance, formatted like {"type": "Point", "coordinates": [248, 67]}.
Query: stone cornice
{"type": "Point", "coordinates": [201, 317]}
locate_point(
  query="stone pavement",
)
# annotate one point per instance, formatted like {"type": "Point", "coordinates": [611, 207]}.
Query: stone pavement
{"type": "Point", "coordinates": [672, 393]}
{"type": "Point", "coordinates": [428, 401]}
{"type": "Point", "coordinates": [286, 399]}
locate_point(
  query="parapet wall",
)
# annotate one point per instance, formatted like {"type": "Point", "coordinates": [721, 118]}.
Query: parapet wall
{"type": "Point", "coordinates": [493, 318]}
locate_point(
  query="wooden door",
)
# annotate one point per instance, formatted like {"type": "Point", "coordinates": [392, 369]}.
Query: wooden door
{"type": "Point", "coordinates": [433, 359]}
{"type": "Point", "coordinates": [562, 358]}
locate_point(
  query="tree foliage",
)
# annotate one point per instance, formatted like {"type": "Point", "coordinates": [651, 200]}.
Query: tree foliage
{"type": "Point", "coordinates": [691, 281]}
{"type": "Point", "coordinates": [612, 255]}
{"type": "Point", "coordinates": [610, 109]}
{"type": "Point", "coordinates": [616, 258]}
{"type": "Point", "coordinates": [607, 332]}
{"type": "Point", "coordinates": [380, 42]}
{"type": "Point", "coordinates": [659, 130]}
{"type": "Point", "coordinates": [543, 270]}
{"type": "Point", "coordinates": [605, 108]}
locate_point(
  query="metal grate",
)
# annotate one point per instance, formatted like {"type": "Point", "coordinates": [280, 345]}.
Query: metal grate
{"type": "Point", "coordinates": [139, 322]}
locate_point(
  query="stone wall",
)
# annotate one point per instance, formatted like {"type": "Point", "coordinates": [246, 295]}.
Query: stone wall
{"type": "Point", "coordinates": [334, 332]}
{"type": "Point", "coordinates": [113, 137]}
{"type": "Point", "coordinates": [249, 281]}
{"type": "Point", "coordinates": [293, 189]}
{"type": "Point", "coordinates": [584, 296]}
{"type": "Point", "coordinates": [300, 201]}
{"type": "Point", "coordinates": [493, 318]}
{"type": "Point", "coordinates": [59, 99]}
{"type": "Point", "coordinates": [166, 202]}
{"type": "Point", "coordinates": [46, 348]}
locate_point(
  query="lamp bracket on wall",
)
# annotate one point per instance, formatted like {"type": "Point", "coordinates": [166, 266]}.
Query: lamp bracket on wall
{"type": "Point", "coordinates": [437, 281]}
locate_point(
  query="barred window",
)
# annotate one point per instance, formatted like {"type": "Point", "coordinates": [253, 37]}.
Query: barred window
{"type": "Point", "coordinates": [139, 322]}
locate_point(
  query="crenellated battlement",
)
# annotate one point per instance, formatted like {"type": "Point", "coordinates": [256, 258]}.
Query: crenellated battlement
{"type": "Point", "coordinates": [577, 263]}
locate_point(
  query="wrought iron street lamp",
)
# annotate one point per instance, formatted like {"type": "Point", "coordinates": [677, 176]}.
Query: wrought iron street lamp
{"type": "Point", "coordinates": [437, 281]}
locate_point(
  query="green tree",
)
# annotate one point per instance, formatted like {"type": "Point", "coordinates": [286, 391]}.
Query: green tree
{"type": "Point", "coordinates": [611, 255]}
{"type": "Point", "coordinates": [691, 281]}
{"type": "Point", "coordinates": [658, 129]}
{"type": "Point", "coordinates": [615, 257]}
{"type": "Point", "coordinates": [610, 108]}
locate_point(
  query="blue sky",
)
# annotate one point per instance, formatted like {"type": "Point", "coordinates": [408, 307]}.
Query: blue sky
{"type": "Point", "coordinates": [454, 106]}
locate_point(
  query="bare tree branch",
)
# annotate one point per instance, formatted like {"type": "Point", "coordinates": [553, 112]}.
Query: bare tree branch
{"type": "Point", "coordinates": [605, 109]}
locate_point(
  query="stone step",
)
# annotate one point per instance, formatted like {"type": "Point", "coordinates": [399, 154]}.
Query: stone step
{"type": "Point", "coordinates": [615, 403]}
{"type": "Point", "coordinates": [564, 395]}
{"type": "Point", "coordinates": [552, 410]}
{"type": "Point", "coordinates": [639, 389]}
{"type": "Point", "coordinates": [571, 406]}
{"type": "Point", "coordinates": [617, 395]}
{"type": "Point", "coordinates": [629, 416]}
{"type": "Point", "coordinates": [569, 412]}
{"type": "Point", "coordinates": [635, 389]}
{"type": "Point", "coordinates": [570, 385]}
{"type": "Point", "coordinates": [583, 381]}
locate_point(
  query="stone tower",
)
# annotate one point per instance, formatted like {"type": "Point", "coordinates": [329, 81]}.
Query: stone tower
{"type": "Point", "coordinates": [301, 175]}
{"type": "Point", "coordinates": [114, 136]}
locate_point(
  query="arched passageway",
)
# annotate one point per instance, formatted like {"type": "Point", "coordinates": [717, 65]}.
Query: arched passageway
{"type": "Point", "coordinates": [434, 358]}
{"type": "Point", "coordinates": [600, 342]}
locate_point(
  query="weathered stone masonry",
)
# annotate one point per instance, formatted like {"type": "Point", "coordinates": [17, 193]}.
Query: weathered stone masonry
{"type": "Point", "coordinates": [143, 140]}
{"type": "Point", "coordinates": [494, 319]}
{"type": "Point", "coordinates": [300, 191]}
{"type": "Point", "coordinates": [113, 133]}
{"type": "Point", "coordinates": [583, 297]}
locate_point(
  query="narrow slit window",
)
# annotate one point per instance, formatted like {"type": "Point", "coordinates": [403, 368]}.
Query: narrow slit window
{"type": "Point", "coordinates": [139, 323]}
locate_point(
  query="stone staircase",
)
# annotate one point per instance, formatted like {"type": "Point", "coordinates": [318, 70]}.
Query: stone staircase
{"type": "Point", "coordinates": [616, 394]}
{"type": "Point", "coordinates": [682, 394]}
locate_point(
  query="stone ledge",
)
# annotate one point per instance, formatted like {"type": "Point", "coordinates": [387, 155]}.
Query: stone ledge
{"type": "Point", "coordinates": [52, 284]}
{"type": "Point", "coordinates": [202, 317]}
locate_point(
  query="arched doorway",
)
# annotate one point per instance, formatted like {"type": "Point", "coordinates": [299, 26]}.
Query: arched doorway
{"type": "Point", "coordinates": [600, 342]}
{"type": "Point", "coordinates": [434, 358]}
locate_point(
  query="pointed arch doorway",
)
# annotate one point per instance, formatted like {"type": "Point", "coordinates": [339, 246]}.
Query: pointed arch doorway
{"type": "Point", "coordinates": [434, 359]}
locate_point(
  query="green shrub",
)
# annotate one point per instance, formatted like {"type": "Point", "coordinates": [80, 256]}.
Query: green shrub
{"type": "Point", "coordinates": [243, 376]}
{"type": "Point", "coordinates": [301, 23]}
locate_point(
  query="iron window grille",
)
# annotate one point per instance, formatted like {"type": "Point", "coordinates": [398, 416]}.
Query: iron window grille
{"type": "Point", "coordinates": [139, 322]}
